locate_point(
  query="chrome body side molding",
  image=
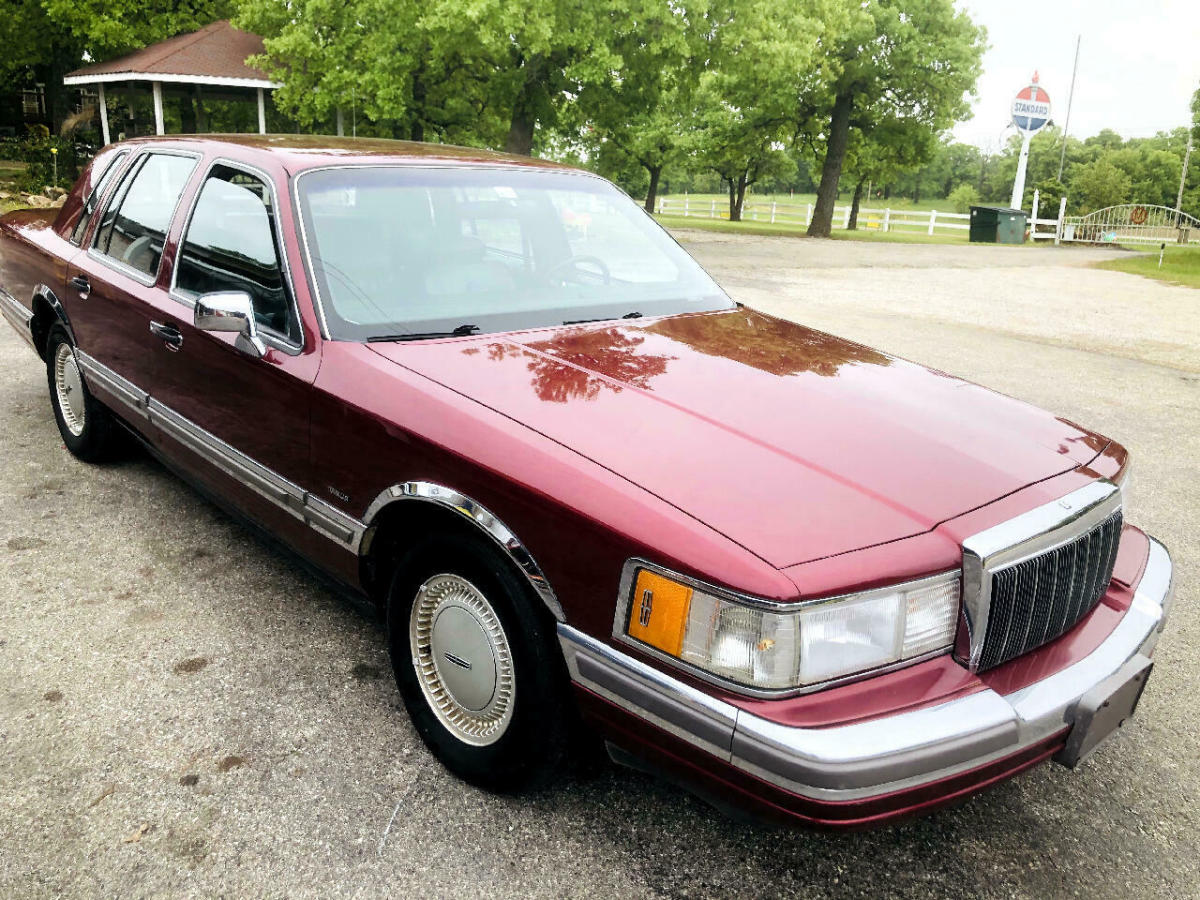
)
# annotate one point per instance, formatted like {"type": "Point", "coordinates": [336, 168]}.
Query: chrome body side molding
{"type": "Point", "coordinates": [288, 496]}
{"type": "Point", "coordinates": [319, 515]}
{"type": "Point", "coordinates": [133, 400]}
{"type": "Point", "coordinates": [15, 313]}
{"type": "Point", "coordinates": [1030, 534]}
{"type": "Point", "coordinates": [878, 756]}
{"type": "Point", "coordinates": [484, 520]}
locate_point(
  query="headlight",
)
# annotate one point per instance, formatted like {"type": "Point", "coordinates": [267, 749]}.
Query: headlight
{"type": "Point", "coordinates": [779, 647]}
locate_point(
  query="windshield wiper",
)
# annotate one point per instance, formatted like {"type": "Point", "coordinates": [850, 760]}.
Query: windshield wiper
{"type": "Point", "coordinates": [628, 315]}
{"type": "Point", "coordinates": [460, 331]}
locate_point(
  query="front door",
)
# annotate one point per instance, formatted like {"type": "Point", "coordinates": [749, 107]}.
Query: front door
{"type": "Point", "coordinates": [239, 422]}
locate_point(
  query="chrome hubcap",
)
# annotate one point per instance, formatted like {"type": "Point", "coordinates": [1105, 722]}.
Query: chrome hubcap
{"type": "Point", "coordinates": [68, 385]}
{"type": "Point", "coordinates": [462, 659]}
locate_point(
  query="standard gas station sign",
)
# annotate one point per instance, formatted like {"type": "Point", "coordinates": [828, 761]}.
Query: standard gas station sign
{"type": "Point", "coordinates": [1031, 109]}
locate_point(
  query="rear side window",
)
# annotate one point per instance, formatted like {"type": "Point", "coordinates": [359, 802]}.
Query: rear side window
{"type": "Point", "coordinates": [89, 208]}
{"type": "Point", "coordinates": [135, 223]}
{"type": "Point", "coordinates": [231, 244]}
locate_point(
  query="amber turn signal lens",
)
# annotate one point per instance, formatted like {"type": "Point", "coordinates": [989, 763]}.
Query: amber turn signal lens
{"type": "Point", "coordinates": [658, 614]}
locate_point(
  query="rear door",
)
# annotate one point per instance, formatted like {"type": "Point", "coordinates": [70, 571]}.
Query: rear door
{"type": "Point", "coordinates": [113, 289]}
{"type": "Point", "coordinates": [238, 421]}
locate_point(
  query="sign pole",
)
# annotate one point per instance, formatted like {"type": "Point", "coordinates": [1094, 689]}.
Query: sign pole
{"type": "Point", "coordinates": [1062, 156]}
{"type": "Point", "coordinates": [1187, 156]}
{"type": "Point", "coordinates": [1030, 113]}
{"type": "Point", "coordinates": [1022, 164]}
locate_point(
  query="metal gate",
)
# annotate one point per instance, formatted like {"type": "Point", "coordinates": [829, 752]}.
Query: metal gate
{"type": "Point", "coordinates": [1132, 223]}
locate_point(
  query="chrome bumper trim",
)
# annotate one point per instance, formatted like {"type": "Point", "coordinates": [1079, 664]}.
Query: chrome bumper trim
{"type": "Point", "coordinates": [17, 315]}
{"type": "Point", "coordinates": [867, 759]}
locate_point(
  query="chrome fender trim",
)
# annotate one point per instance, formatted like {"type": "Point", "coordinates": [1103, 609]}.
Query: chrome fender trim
{"type": "Point", "coordinates": [483, 519]}
{"type": "Point", "coordinates": [55, 304]}
{"type": "Point", "coordinates": [878, 756]}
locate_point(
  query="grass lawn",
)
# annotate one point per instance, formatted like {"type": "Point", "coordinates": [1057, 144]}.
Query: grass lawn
{"type": "Point", "coordinates": [787, 230]}
{"type": "Point", "coordinates": [9, 170]}
{"type": "Point", "coordinates": [1181, 265]}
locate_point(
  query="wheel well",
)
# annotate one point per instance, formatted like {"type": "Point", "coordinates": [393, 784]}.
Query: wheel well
{"type": "Point", "coordinates": [401, 524]}
{"type": "Point", "coordinates": [44, 318]}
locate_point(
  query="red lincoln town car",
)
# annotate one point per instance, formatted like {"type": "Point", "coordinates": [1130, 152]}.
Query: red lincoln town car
{"type": "Point", "coordinates": [810, 580]}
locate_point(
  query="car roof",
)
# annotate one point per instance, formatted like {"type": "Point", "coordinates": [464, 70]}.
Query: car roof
{"type": "Point", "coordinates": [297, 152]}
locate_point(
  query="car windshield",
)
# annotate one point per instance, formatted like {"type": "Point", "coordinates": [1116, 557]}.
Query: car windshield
{"type": "Point", "coordinates": [405, 251]}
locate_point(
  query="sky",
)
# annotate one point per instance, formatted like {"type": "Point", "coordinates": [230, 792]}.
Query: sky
{"type": "Point", "coordinates": [1139, 64]}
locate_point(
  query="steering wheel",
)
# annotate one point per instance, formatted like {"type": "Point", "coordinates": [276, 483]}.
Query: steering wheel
{"type": "Point", "coordinates": [573, 262]}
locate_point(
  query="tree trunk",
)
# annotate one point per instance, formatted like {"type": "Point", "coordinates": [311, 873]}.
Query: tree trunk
{"type": "Point", "coordinates": [858, 192]}
{"type": "Point", "coordinates": [741, 195]}
{"type": "Point", "coordinates": [56, 100]}
{"type": "Point", "coordinates": [917, 192]}
{"type": "Point", "coordinates": [831, 170]}
{"type": "Point", "coordinates": [419, 93]}
{"type": "Point", "coordinates": [735, 213]}
{"type": "Point", "coordinates": [187, 115]}
{"type": "Point", "coordinates": [524, 114]}
{"type": "Point", "coordinates": [887, 192]}
{"type": "Point", "coordinates": [201, 115]}
{"type": "Point", "coordinates": [652, 191]}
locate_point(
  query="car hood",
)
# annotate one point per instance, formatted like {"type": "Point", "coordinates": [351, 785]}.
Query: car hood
{"type": "Point", "coordinates": [796, 444]}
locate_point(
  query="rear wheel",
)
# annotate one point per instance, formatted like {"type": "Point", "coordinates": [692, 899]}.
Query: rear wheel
{"type": "Point", "coordinates": [85, 425]}
{"type": "Point", "coordinates": [476, 661]}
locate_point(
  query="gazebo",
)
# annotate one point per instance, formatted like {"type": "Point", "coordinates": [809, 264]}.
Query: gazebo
{"type": "Point", "coordinates": [213, 57]}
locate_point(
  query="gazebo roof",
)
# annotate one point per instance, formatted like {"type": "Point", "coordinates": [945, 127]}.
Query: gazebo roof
{"type": "Point", "coordinates": [216, 55]}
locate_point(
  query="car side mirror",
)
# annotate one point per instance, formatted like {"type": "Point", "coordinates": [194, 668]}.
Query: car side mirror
{"type": "Point", "coordinates": [230, 311]}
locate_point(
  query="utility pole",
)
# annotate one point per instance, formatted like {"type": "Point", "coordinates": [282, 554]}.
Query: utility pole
{"type": "Point", "coordinates": [1182, 181]}
{"type": "Point", "coordinates": [1062, 157]}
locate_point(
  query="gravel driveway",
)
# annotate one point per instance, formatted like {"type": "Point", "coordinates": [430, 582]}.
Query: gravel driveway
{"type": "Point", "coordinates": [184, 712]}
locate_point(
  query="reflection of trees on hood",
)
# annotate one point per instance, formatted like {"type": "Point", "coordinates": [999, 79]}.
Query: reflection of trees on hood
{"type": "Point", "coordinates": [610, 351]}
{"type": "Point", "coordinates": [768, 344]}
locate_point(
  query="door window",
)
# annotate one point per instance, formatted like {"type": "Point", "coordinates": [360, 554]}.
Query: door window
{"type": "Point", "coordinates": [231, 245]}
{"type": "Point", "coordinates": [89, 208]}
{"type": "Point", "coordinates": [135, 224]}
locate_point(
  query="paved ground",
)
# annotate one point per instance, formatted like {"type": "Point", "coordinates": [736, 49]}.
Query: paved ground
{"type": "Point", "coordinates": [181, 712]}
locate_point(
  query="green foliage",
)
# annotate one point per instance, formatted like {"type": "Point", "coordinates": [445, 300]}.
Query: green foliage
{"type": "Point", "coordinates": [903, 65]}
{"type": "Point", "coordinates": [42, 40]}
{"type": "Point", "coordinates": [44, 156]}
{"type": "Point", "coordinates": [1196, 116]}
{"type": "Point", "coordinates": [964, 197]}
{"type": "Point", "coordinates": [1050, 194]}
{"type": "Point", "coordinates": [1099, 184]}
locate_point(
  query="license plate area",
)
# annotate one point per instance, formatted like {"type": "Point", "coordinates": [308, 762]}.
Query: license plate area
{"type": "Point", "coordinates": [1104, 709]}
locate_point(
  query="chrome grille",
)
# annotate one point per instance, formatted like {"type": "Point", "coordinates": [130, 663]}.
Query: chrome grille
{"type": "Point", "coordinates": [1039, 599]}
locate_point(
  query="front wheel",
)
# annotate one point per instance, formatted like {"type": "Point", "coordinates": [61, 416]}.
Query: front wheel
{"type": "Point", "coordinates": [476, 663]}
{"type": "Point", "coordinates": [85, 424]}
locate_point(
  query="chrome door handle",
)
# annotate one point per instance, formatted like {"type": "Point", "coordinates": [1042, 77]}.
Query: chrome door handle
{"type": "Point", "coordinates": [169, 333]}
{"type": "Point", "coordinates": [81, 284]}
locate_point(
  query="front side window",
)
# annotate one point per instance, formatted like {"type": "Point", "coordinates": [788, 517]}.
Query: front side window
{"type": "Point", "coordinates": [231, 245]}
{"type": "Point", "coordinates": [134, 227]}
{"type": "Point", "coordinates": [89, 208]}
{"type": "Point", "coordinates": [398, 251]}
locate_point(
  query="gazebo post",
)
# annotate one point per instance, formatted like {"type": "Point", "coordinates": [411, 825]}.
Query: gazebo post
{"type": "Point", "coordinates": [103, 116]}
{"type": "Point", "coordinates": [158, 110]}
{"type": "Point", "coordinates": [262, 113]}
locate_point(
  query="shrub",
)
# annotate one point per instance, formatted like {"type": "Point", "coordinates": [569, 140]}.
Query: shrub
{"type": "Point", "coordinates": [38, 152]}
{"type": "Point", "coordinates": [963, 197]}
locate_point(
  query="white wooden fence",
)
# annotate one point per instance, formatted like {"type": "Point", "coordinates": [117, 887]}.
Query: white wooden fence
{"type": "Point", "coordinates": [903, 220]}
{"type": "Point", "coordinates": [786, 213]}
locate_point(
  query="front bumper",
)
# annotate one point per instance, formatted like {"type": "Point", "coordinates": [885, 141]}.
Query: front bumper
{"type": "Point", "coordinates": [876, 767]}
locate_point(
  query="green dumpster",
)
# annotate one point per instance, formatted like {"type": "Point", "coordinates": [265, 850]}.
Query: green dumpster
{"type": "Point", "coordinates": [997, 225]}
